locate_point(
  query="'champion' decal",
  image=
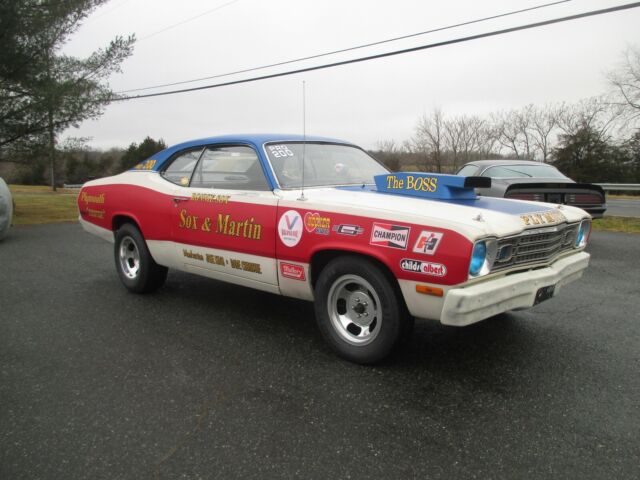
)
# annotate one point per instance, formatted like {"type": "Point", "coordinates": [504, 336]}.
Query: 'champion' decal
{"type": "Point", "coordinates": [391, 236]}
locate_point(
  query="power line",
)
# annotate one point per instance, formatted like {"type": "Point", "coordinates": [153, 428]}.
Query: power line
{"type": "Point", "coordinates": [390, 54]}
{"type": "Point", "coordinates": [219, 7]}
{"type": "Point", "coordinates": [334, 52]}
{"type": "Point", "coordinates": [102, 14]}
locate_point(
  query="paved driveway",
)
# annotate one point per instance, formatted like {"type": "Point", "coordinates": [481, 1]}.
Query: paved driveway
{"type": "Point", "coordinates": [623, 207]}
{"type": "Point", "coordinates": [207, 380]}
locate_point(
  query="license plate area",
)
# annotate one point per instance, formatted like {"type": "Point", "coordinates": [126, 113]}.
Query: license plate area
{"type": "Point", "coordinates": [544, 293]}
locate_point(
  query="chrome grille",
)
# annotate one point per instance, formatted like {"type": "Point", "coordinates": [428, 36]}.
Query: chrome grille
{"type": "Point", "coordinates": [539, 245]}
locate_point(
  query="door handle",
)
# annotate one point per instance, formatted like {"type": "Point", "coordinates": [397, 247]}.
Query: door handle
{"type": "Point", "coordinates": [177, 200]}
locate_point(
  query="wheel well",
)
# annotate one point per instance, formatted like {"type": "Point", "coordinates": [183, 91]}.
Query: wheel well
{"type": "Point", "coordinates": [119, 220]}
{"type": "Point", "coordinates": [322, 258]}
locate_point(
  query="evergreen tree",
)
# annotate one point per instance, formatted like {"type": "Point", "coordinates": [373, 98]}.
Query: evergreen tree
{"type": "Point", "coordinates": [136, 153]}
{"type": "Point", "coordinates": [43, 92]}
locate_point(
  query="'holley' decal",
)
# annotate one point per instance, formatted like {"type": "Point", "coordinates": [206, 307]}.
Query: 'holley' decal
{"type": "Point", "coordinates": [291, 270]}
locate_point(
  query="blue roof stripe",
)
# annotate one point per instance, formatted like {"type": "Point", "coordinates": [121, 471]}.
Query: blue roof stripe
{"type": "Point", "coordinates": [501, 205]}
{"type": "Point", "coordinates": [257, 141]}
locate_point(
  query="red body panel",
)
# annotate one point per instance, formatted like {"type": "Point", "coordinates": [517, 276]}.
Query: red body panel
{"type": "Point", "coordinates": [259, 230]}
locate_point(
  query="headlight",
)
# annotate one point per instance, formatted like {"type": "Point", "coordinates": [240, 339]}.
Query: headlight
{"type": "Point", "coordinates": [482, 257]}
{"type": "Point", "coordinates": [583, 233]}
{"type": "Point", "coordinates": [478, 257]}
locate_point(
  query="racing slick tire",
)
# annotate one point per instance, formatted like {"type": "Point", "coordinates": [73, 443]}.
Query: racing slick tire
{"type": "Point", "coordinates": [136, 268]}
{"type": "Point", "coordinates": [360, 310]}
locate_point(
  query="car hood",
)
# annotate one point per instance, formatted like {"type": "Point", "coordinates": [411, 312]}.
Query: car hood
{"type": "Point", "coordinates": [474, 218]}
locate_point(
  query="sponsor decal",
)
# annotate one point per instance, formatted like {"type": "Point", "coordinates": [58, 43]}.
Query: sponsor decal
{"type": "Point", "coordinates": [246, 266]}
{"type": "Point", "coordinates": [280, 151]}
{"type": "Point", "coordinates": [146, 165]}
{"type": "Point", "coordinates": [391, 236]}
{"type": "Point", "coordinates": [238, 228]}
{"type": "Point", "coordinates": [425, 268]}
{"type": "Point", "coordinates": [87, 198]}
{"type": "Point", "coordinates": [215, 260]}
{"type": "Point", "coordinates": [313, 222]}
{"type": "Point", "coordinates": [193, 255]}
{"type": "Point", "coordinates": [221, 261]}
{"type": "Point", "coordinates": [225, 225]}
{"type": "Point", "coordinates": [348, 229]}
{"type": "Point", "coordinates": [210, 198]}
{"type": "Point", "coordinates": [293, 271]}
{"type": "Point", "coordinates": [427, 242]}
{"type": "Point", "coordinates": [542, 218]}
{"type": "Point", "coordinates": [413, 183]}
{"type": "Point", "coordinates": [92, 212]}
{"type": "Point", "coordinates": [290, 228]}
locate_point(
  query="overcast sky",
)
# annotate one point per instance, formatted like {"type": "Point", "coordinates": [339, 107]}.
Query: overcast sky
{"type": "Point", "coordinates": [363, 103]}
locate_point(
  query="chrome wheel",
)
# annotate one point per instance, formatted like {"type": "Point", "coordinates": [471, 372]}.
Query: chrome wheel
{"type": "Point", "coordinates": [354, 309]}
{"type": "Point", "coordinates": [129, 257]}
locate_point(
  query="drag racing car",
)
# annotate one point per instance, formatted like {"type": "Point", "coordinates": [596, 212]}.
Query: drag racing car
{"type": "Point", "coordinates": [321, 220]}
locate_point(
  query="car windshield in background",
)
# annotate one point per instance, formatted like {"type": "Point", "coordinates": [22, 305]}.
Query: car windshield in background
{"type": "Point", "coordinates": [325, 164]}
{"type": "Point", "coordinates": [523, 171]}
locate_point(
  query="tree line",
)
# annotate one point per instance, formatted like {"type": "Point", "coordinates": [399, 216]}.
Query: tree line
{"type": "Point", "coordinates": [594, 140]}
{"type": "Point", "coordinates": [44, 92]}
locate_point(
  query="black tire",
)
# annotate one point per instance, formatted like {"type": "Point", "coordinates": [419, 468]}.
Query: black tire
{"type": "Point", "coordinates": [360, 310]}
{"type": "Point", "coordinates": [136, 268]}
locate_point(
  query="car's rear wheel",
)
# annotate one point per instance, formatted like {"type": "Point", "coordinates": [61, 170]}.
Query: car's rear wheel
{"type": "Point", "coordinates": [360, 310]}
{"type": "Point", "coordinates": [136, 268]}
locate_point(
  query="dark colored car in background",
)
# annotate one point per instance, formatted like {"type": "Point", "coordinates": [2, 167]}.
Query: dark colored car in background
{"type": "Point", "coordinates": [536, 181]}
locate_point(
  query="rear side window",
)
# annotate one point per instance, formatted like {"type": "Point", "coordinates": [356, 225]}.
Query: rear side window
{"type": "Point", "coordinates": [468, 171]}
{"type": "Point", "coordinates": [182, 166]}
{"type": "Point", "coordinates": [230, 167]}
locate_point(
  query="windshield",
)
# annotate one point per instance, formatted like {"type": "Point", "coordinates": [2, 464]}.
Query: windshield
{"type": "Point", "coordinates": [523, 171]}
{"type": "Point", "coordinates": [326, 164]}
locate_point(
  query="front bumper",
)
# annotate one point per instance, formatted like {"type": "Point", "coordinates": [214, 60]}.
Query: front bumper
{"type": "Point", "coordinates": [460, 306]}
{"type": "Point", "coordinates": [467, 305]}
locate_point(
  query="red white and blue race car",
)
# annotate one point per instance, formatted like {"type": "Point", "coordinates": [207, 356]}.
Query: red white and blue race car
{"type": "Point", "coordinates": [321, 220]}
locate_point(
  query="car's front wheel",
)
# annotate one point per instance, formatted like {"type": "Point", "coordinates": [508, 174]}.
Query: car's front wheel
{"type": "Point", "coordinates": [136, 268]}
{"type": "Point", "coordinates": [359, 310]}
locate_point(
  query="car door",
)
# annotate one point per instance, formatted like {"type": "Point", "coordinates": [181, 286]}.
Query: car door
{"type": "Point", "coordinates": [224, 216]}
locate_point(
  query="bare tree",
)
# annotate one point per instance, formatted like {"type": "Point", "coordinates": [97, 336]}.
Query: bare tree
{"type": "Point", "coordinates": [388, 153]}
{"type": "Point", "coordinates": [625, 80]}
{"type": "Point", "coordinates": [488, 140]}
{"type": "Point", "coordinates": [452, 137]}
{"type": "Point", "coordinates": [508, 130]}
{"type": "Point", "coordinates": [594, 113]}
{"type": "Point", "coordinates": [542, 124]}
{"type": "Point", "coordinates": [524, 118]}
{"type": "Point", "coordinates": [472, 132]}
{"type": "Point", "coordinates": [429, 136]}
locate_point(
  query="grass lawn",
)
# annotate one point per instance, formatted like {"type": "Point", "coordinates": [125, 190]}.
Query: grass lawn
{"type": "Point", "coordinates": [36, 205]}
{"type": "Point", "coordinates": [617, 224]}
